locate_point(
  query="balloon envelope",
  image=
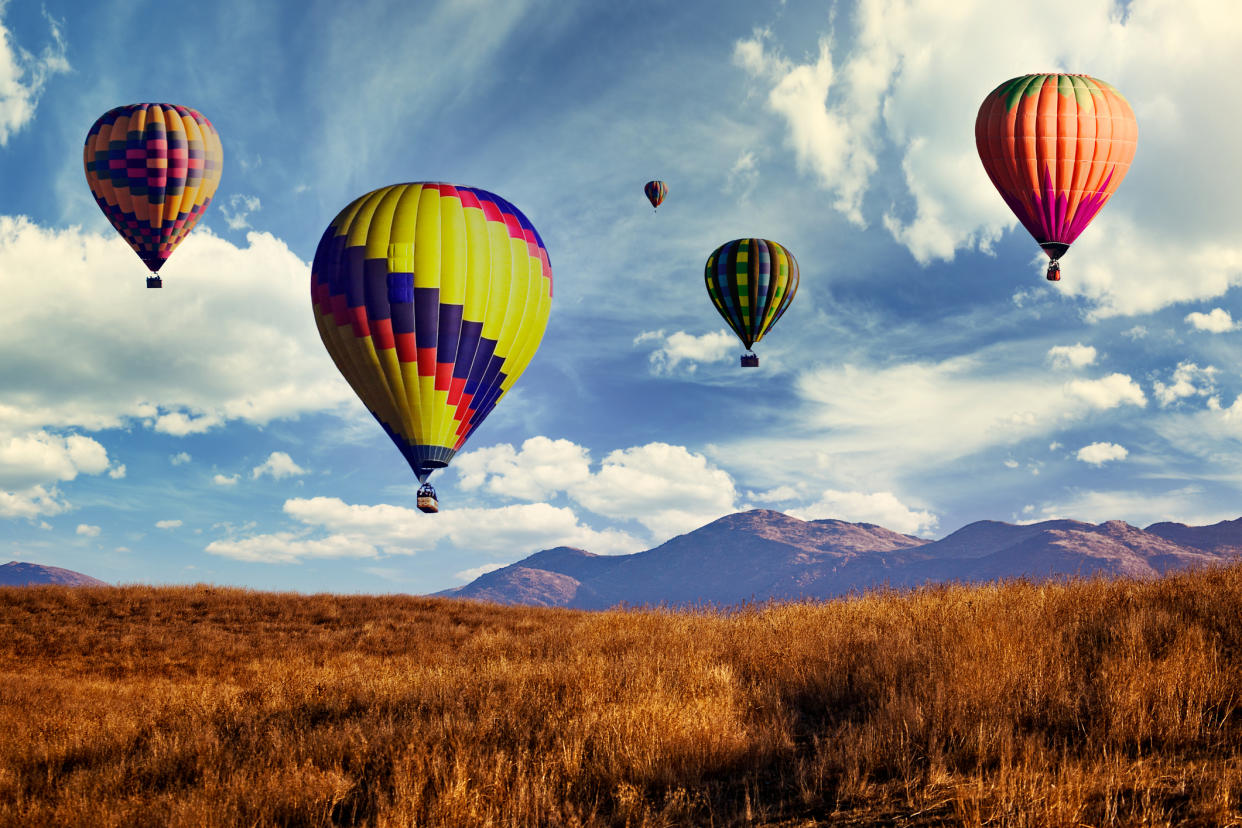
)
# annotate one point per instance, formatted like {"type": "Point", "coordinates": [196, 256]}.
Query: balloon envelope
{"type": "Point", "coordinates": [751, 283]}
{"type": "Point", "coordinates": [1056, 147]}
{"type": "Point", "coordinates": [431, 300]}
{"type": "Point", "coordinates": [655, 192]}
{"type": "Point", "coordinates": [153, 169]}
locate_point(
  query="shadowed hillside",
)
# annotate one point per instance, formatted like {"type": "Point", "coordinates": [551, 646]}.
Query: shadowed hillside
{"type": "Point", "coordinates": [1091, 703]}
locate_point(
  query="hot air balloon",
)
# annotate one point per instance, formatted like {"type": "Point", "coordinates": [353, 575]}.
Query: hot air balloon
{"type": "Point", "coordinates": [655, 192]}
{"type": "Point", "coordinates": [431, 300]}
{"type": "Point", "coordinates": [1056, 147]}
{"type": "Point", "coordinates": [751, 282]}
{"type": "Point", "coordinates": [153, 168]}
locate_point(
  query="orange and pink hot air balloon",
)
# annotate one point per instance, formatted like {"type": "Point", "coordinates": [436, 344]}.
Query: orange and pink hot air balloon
{"type": "Point", "coordinates": [1056, 146]}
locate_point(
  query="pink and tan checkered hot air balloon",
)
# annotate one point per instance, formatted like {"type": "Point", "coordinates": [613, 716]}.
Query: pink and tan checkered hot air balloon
{"type": "Point", "coordinates": [153, 168]}
{"type": "Point", "coordinates": [1056, 146]}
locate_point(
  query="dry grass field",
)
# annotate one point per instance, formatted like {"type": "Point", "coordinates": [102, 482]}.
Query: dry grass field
{"type": "Point", "coordinates": [1089, 703]}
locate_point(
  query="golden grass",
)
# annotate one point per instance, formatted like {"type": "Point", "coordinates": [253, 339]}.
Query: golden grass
{"type": "Point", "coordinates": [1090, 703]}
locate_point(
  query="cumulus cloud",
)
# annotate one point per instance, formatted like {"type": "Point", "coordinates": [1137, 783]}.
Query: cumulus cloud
{"type": "Point", "coordinates": [225, 480]}
{"type": "Point", "coordinates": [541, 468]}
{"type": "Point", "coordinates": [911, 80]}
{"type": "Point", "coordinates": [681, 347]}
{"type": "Point", "coordinates": [23, 75]}
{"type": "Point", "coordinates": [1109, 392]}
{"type": "Point", "coordinates": [117, 472]}
{"type": "Point", "coordinates": [31, 503]}
{"type": "Point", "coordinates": [243, 349]}
{"type": "Point", "coordinates": [1071, 356]}
{"type": "Point", "coordinates": [1217, 320]}
{"type": "Point", "coordinates": [167, 524]}
{"type": "Point", "coordinates": [355, 530]}
{"type": "Point", "coordinates": [1097, 454]}
{"type": "Point", "coordinates": [881, 508]}
{"type": "Point", "coordinates": [278, 465]}
{"type": "Point", "coordinates": [42, 457]}
{"type": "Point", "coordinates": [667, 488]}
{"type": "Point", "coordinates": [88, 531]}
{"type": "Point", "coordinates": [179, 459]}
{"type": "Point", "coordinates": [1188, 380]}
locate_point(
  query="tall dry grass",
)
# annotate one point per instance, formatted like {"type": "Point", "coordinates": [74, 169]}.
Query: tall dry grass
{"type": "Point", "coordinates": [1090, 703]}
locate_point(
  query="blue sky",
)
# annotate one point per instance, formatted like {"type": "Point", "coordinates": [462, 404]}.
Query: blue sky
{"type": "Point", "coordinates": [926, 375]}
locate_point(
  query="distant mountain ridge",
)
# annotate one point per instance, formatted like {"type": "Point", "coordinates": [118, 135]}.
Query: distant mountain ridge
{"type": "Point", "coordinates": [17, 573]}
{"type": "Point", "coordinates": [763, 554]}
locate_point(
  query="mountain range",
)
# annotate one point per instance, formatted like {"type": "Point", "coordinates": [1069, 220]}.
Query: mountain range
{"type": "Point", "coordinates": [762, 555]}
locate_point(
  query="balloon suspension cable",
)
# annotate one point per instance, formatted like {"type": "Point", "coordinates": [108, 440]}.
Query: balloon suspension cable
{"type": "Point", "coordinates": [1054, 270]}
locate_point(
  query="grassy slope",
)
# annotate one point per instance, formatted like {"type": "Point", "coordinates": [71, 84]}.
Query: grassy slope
{"type": "Point", "coordinates": [1090, 703]}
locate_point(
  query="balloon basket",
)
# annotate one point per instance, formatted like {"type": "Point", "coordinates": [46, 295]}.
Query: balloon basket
{"type": "Point", "coordinates": [1054, 271]}
{"type": "Point", "coordinates": [155, 282]}
{"type": "Point", "coordinates": [427, 499]}
{"type": "Point", "coordinates": [750, 360]}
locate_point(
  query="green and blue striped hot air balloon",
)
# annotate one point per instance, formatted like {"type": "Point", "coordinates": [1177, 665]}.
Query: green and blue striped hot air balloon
{"type": "Point", "coordinates": [752, 283]}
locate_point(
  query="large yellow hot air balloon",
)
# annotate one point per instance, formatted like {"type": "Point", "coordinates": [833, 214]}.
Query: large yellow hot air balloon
{"type": "Point", "coordinates": [431, 299]}
{"type": "Point", "coordinates": [153, 168]}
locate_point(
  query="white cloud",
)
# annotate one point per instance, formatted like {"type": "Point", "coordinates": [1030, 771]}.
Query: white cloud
{"type": "Point", "coordinates": [1012, 464]}
{"type": "Point", "coordinates": [830, 138]}
{"type": "Point", "coordinates": [368, 531]}
{"type": "Point", "coordinates": [1184, 505]}
{"type": "Point", "coordinates": [881, 508]}
{"type": "Point", "coordinates": [1071, 356]}
{"type": "Point", "coordinates": [40, 457]}
{"type": "Point", "coordinates": [1136, 333]}
{"type": "Point", "coordinates": [680, 347]}
{"type": "Point", "coordinates": [278, 465]}
{"type": "Point", "coordinates": [1217, 320]}
{"type": "Point", "coordinates": [117, 472]}
{"type": "Point", "coordinates": [88, 531]}
{"type": "Point", "coordinates": [225, 480]}
{"type": "Point", "coordinates": [1097, 454]}
{"type": "Point", "coordinates": [743, 176]}
{"type": "Point", "coordinates": [290, 547]}
{"type": "Point", "coordinates": [31, 502]}
{"type": "Point", "coordinates": [1189, 380]}
{"type": "Point", "coordinates": [23, 76]}
{"type": "Point", "coordinates": [911, 81]}
{"type": "Point", "coordinates": [179, 459]}
{"type": "Point", "coordinates": [236, 213]}
{"type": "Point", "coordinates": [542, 468]}
{"type": "Point", "coordinates": [868, 428]}
{"type": "Point", "coordinates": [167, 524]}
{"type": "Point", "coordinates": [1109, 392]}
{"type": "Point", "coordinates": [229, 337]}
{"type": "Point", "coordinates": [468, 575]}
{"type": "Point", "coordinates": [666, 488]}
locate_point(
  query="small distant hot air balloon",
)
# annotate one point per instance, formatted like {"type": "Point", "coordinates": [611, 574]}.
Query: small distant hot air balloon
{"type": "Point", "coordinates": [153, 168]}
{"type": "Point", "coordinates": [431, 300]}
{"type": "Point", "coordinates": [751, 282]}
{"type": "Point", "coordinates": [655, 192]}
{"type": "Point", "coordinates": [1056, 147]}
